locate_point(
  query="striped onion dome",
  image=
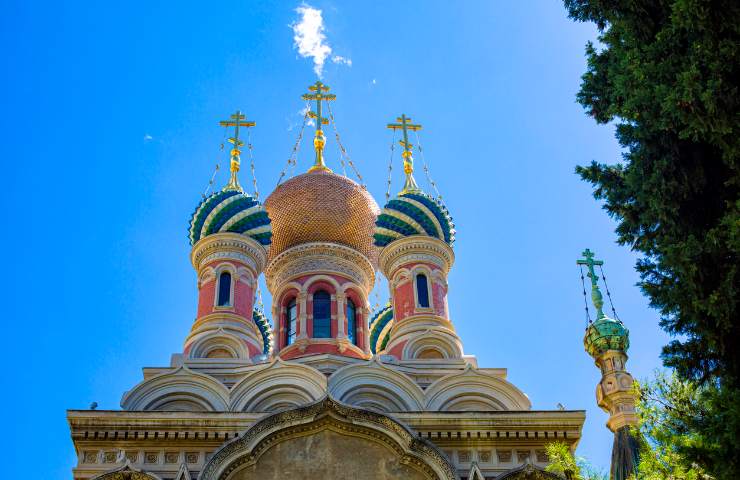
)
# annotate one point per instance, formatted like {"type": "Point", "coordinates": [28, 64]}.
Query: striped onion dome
{"type": "Point", "coordinates": [413, 213]}
{"type": "Point", "coordinates": [380, 327]}
{"type": "Point", "coordinates": [606, 334]}
{"type": "Point", "coordinates": [230, 211]}
{"type": "Point", "coordinates": [263, 324]}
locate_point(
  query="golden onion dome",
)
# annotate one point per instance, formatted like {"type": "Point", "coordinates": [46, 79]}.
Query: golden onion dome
{"type": "Point", "coordinates": [321, 206]}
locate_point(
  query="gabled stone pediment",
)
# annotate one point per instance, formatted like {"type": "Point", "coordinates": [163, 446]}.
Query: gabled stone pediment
{"type": "Point", "coordinates": [328, 440]}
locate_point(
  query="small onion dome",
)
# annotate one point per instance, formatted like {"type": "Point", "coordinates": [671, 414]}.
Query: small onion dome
{"type": "Point", "coordinates": [606, 334]}
{"type": "Point", "coordinates": [230, 211]}
{"type": "Point", "coordinates": [263, 324]}
{"type": "Point", "coordinates": [378, 332]}
{"type": "Point", "coordinates": [413, 213]}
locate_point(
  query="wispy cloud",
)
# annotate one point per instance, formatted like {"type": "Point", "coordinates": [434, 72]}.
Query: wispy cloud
{"type": "Point", "coordinates": [341, 60]}
{"type": "Point", "coordinates": [302, 112]}
{"type": "Point", "coordinates": [148, 137]}
{"type": "Point", "coordinates": [310, 41]}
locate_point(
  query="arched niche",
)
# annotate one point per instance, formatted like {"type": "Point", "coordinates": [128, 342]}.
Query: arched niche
{"type": "Point", "coordinates": [288, 445]}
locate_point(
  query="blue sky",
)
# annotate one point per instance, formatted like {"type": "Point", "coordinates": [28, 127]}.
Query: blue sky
{"type": "Point", "coordinates": [110, 135]}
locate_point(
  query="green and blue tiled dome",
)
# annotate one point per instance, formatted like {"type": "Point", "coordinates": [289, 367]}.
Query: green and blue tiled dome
{"type": "Point", "coordinates": [263, 324]}
{"type": "Point", "coordinates": [606, 334]}
{"type": "Point", "coordinates": [413, 213]}
{"type": "Point", "coordinates": [230, 211]}
{"type": "Point", "coordinates": [380, 325]}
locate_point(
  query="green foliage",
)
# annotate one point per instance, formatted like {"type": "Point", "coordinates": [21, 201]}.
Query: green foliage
{"type": "Point", "coordinates": [666, 72]}
{"type": "Point", "coordinates": [668, 408]}
{"type": "Point", "coordinates": [563, 463]}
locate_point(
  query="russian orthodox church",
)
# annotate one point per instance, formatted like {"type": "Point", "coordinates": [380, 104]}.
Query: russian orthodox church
{"type": "Point", "coordinates": [326, 388]}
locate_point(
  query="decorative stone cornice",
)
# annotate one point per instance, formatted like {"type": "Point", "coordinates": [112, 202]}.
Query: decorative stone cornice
{"type": "Point", "coordinates": [319, 257]}
{"type": "Point", "coordinates": [229, 246]}
{"type": "Point", "coordinates": [414, 249]}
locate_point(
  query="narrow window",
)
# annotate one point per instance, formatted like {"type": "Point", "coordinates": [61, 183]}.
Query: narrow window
{"type": "Point", "coordinates": [321, 315]}
{"type": "Point", "coordinates": [351, 321]}
{"type": "Point", "coordinates": [224, 289]}
{"type": "Point", "coordinates": [291, 317]}
{"type": "Point", "coordinates": [422, 290]}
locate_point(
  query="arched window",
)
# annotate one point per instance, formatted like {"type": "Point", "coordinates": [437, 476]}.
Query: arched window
{"type": "Point", "coordinates": [224, 289]}
{"type": "Point", "coordinates": [422, 290]}
{"type": "Point", "coordinates": [291, 317]}
{"type": "Point", "coordinates": [321, 315]}
{"type": "Point", "coordinates": [351, 321]}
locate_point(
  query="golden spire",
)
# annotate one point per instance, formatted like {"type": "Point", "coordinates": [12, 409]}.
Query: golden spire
{"type": "Point", "coordinates": [319, 93]}
{"type": "Point", "coordinates": [236, 122]}
{"type": "Point", "coordinates": [408, 160]}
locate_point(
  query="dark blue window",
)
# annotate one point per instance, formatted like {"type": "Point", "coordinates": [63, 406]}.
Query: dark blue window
{"type": "Point", "coordinates": [351, 321]}
{"type": "Point", "coordinates": [291, 317]}
{"type": "Point", "coordinates": [422, 290]}
{"type": "Point", "coordinates": [224, 289]}
{"type": "Point", "coordinates": [321, 315]}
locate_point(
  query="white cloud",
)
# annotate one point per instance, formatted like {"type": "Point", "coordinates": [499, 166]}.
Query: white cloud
{"type": "Point", "coordinates": [374, 82]}
{"type": "Point", "coordinates": [309, 38]}
{"type": "Point", "coordinates": [310, 41]}
{"type": "Point", "coordinates": [147, 137]}
{"type": "Point", "coordinates": [302, 112]}
{"type": "Point", "coordinates": [341, 60]}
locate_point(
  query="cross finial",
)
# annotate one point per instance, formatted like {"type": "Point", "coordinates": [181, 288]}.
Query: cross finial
{"type": "Point", "coordinates": [319, 93]}
{"type": "Point", "coordinates": [404, 124]}
{"type": "Point", "coordinates": [596, 296]}
{"type": "Point", "coordinates": [236, 120]}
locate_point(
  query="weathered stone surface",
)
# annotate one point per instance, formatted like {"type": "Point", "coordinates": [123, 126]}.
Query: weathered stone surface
{"type": "Point", "coordinates": [328, 455]}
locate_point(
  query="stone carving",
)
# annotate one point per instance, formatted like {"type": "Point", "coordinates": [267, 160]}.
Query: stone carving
{"type": "Point", "coordinates": [484, 456]}
{"type": "Point", "coordinates": [126, 472]}
{"type": "Point", "coordinates": [151, 457]}
{"type": "Point", "coordinates": [542, 456]}
{"type": "Point", "coordinates": [90, 457]}
{"type": "Point", "coordinates": [523, 455]}
{"type": "Point", "coordinates": [171, 457]}
{"type": "Point", "coordinates": [328, 414]}
{"type": "Point", "coordinates": [504, 456]}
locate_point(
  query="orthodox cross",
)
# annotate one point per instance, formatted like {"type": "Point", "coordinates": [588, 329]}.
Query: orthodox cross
{"type": "Point", "coordinates": [408, 160]}
{"type": "Point", "coordinates": [236, 120]}
{"type": "Point", "coordinates": [596, 297]}
{"type": "Point", "coordinates": [318, 92]}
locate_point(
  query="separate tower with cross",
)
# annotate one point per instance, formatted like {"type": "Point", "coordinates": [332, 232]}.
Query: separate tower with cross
{"type": "Point", "coordinates": [319, 93]}
{"type": "Point", "coordinates": [404, 124]}
{"type": "Point", "coordinates": [606, 340]}
{"type": "Point", "coordinates": [237, 120]}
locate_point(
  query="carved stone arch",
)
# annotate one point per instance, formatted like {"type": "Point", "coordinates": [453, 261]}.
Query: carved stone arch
{"type": "Point", "coordinates": [446, 344]}
{"type": "Point", "coordinates": [245, 275]}
{"type": "Point", "coordinates": [473, 390]}
{"type": "Point", "coordinates": [351, 443]}
{"type": "Point", "coordinates": [528, 472]}
{"type": "Point", "coordinates": [126, 472]}
{"type": "Point", "coordinates": [322, 278]}
{"type": "Point", "coordinates": [179, 390]}
{"type": "Point", "coordinates": [402, 275]}
{"type": "Point", "coordinates": [376, 387]}
{"type": "Point", "coordinates": [218, 339]}
{"type": "Point", "coordinates": [278, 386]}
{"type": "Point", "coordinates": [206, 275]}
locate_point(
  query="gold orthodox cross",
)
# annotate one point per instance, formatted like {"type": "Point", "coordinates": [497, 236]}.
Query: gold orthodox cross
{"type": "Point", "coordinates": [236, 120]}
{"type": "Point", "coordinates": [404, 124]}
{"type": "Point", "coordinates": [319, 93]}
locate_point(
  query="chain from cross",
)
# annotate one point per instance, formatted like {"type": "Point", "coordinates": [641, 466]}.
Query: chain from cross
{"type": "Point", "coordinates": [596, 296]}
{"type": "Point", "coordinates": [404, 124]}
{"type": "Point", "coordinates": [236, 120]}
{"type": "Point", "coordinates": [319, 94]}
